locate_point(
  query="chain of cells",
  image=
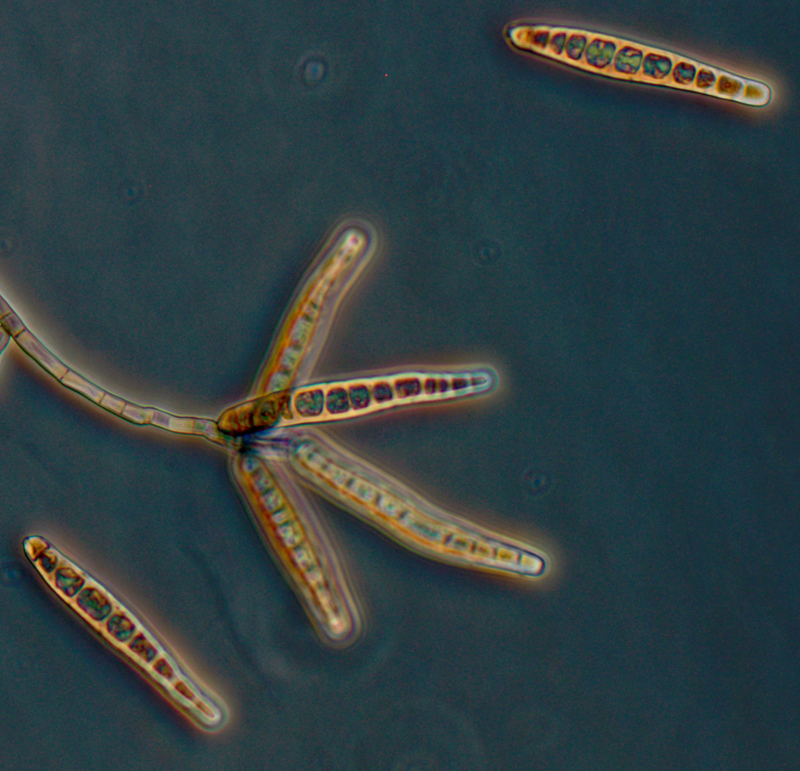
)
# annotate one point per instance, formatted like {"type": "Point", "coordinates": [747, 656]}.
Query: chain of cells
{"type": "Point", "coordinates": [276, 450]}
{"type": "Point", "coordinates": [621, 59]}
{"type": "Point", "coordinates": [125, 633]}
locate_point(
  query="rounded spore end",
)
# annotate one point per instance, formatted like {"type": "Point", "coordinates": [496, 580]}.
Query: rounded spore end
{"type": "Point", "coordinates": [485, 380]}
{"type": "Point", "coordinates": [532, 565]}
{"type": "Point", "coordinates": [34, 545]}
{"type": "Point", "coordinates": [757, 94]}
{"type": "Point", "coordinates": [209, 715]}
{"type": "Point", "coordinates": [515, 34]}
{"type": "Point", "coordinates": [356, 238]}
{"type": "Point", "coordinates": [340, 631]}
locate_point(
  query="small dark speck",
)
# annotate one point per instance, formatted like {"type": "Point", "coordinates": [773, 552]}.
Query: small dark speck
{"type": "Point", "coordinates": [130, 191]}
{"type": "Point", "coordinates": [10, 573]}
{"type": "Point", "coordinates": [536, 483]}
{"type": "Point", "coordinates": [486, 252]}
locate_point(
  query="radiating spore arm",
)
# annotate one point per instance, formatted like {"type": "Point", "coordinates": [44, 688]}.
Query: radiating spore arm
{"type": "Point", "coordinates": [353, 398]}
{"type": "Point", "coordinates": [396, 510]}
{"type": "Point", "coordinates": [305, 324]}
{"type": "Point", "coordinates": [289, 527]}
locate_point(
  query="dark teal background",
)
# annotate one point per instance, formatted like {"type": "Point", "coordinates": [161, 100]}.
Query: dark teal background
{"type": "Point", "coordinates": [625, 256]}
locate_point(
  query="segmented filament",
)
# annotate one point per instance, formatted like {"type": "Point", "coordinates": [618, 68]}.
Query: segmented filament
{"type": "Point", "coordinates": [397, 511]}
{"type": "Point", "coordinates": [293, 537]}
{"type": "Point", "coordinates": [353, 398]}
{"type": "Point", "coordinates": [270, 454]}
{"type": "Point", "coordinates": [304, 326]}
{"type": "Point", "coordinates": [622, 59]}
{"type": "Point", "coordinates": [124, 632]}
{"type": "Point", "coordinates": [13, 325]}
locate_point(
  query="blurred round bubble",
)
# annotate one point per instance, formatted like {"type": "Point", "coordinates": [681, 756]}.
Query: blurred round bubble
{"type": "Point", "coordinates": [285, 647]}
{"type": "Point", "coordinates": [536, 483]}
{"type": "Point", "coordinates": [537, 733]}
{"type": "Point", "coordinates": [313, 70]}
{"type": "Point", "coordinates": [10, 573]}
{"type": "Point", "coordinates": [7, 244]}
{"type": "Point", "coordinates": [328, 78]}
{"type": "Point", "coordinates": [422, 735]}
{"type": "Point", "coordinates": [130, 191]}
{"type": "Point", "coordinates": [486, 252]}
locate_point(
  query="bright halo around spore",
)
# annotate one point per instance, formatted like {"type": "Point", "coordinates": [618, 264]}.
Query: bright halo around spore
{"type": "Point", "coordinates": [277, 448]}
{"type": "Point", "coordinates": [125, 633]}
{"type": "Point", "coordinates": [621, 59]}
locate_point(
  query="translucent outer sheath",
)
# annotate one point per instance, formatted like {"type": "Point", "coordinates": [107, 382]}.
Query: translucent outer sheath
{"type": "Point", "coordinates": [287, 522]}
{"type": "Point", "coordinates": [124, 632]}
{"type": "Point", "coordinates": [283, 516]}
{"type": "Point", "coordinates": [12, 325]}
{"type": "Point", "coordinates": [270, 450]}
{"type": "Point", "coordinates": [305, 324]}
{"type": "Point", "coordinates": [397, 511]}
{"type": "Point", "coordinates": [622, 59]}
{"type": "Point", "coordinates": [353, 398]}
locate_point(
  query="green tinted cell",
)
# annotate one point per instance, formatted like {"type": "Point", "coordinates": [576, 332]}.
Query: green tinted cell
{"type": "Point", "coordinates": [656, 66]}
{"type": "Point", "coordinates": [94, 603]}
{"type": "Point", "coordinates": [600, 53]}
{"type": "Point", "coordinates": [557, 42]}
{"type": "Point", "coordinates": [337, 400]}
{"type": "Point", "coordinates": [382, 392]}
{"type": "Point", "coordinates": [575, 46]}
{"type": "Point", "coordinates": [684, 73]}
{"type": "Point", "coordinates": [120, 626]}
{"type": "Point", "coordinates": [309, 403]}
{"type": "Point", "coordinates": [540, 37]}
{"type": "Point", "coordinates": [48, 561]}
{"type": "Point", "coordinates": [628, 60]}
{"type": "Point", "coordinates": [68, 581]}
{"type": "Point", "coordinates": [143, 647]}
{"type": "Point", "coordinates": [426, 530]}
{"type": "Point", "coordinates": [359, 397]}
